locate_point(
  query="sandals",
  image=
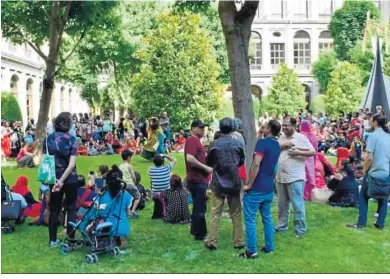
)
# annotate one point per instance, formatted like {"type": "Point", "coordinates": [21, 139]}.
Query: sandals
{"type": "Point", "coordinates": [248, 255]}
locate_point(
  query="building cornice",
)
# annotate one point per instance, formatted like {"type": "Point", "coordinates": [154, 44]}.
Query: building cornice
{"type": "Point", "coordinates": [21, 61]}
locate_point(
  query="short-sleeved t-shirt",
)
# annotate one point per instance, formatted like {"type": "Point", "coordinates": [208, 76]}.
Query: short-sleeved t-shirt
{"type": "Point", "coordinates": [195, 148]}
{"type": "Point", "coordinates": [62, 146]}
{"type": "Point", "coordinates": [269, 149]}
{"type": "Point", "coordinates": [160, 178]}
{"type": "Point", "coordinates": [126, 174]}
{"type": "Point", "coordinates": [379, 145]}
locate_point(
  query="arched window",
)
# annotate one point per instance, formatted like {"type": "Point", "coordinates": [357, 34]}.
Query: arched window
{"type": "Point", "coordinates": [29, 98]}
{"type": "Point", "coordinates": [256, 61]}
{"type": "Point", "coordinates": [302, 59]}
{"type": "Point", "coordinates": [325, 40]}
{"type": "Point", "coordinates": [14, 85]}
{"type": "Point", "coordinates": [62, 99]}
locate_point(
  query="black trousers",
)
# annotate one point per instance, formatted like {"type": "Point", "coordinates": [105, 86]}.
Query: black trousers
{"type": "Point", "coordinates": [198, 220]}
{"type": "Point", "coordinates": [70, 191]}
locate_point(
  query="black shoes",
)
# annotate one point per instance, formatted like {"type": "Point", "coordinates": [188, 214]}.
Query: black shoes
{"type": "Point", "coordinates": [355, 226]}
{"type": "Point", "coordinates": [210, 247]}
{"type": "Point", "coordinates": [248, 255]}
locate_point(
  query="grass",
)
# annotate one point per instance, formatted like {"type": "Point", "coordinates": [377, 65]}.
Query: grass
{"type": "Point", "coordinates": [155, 247]}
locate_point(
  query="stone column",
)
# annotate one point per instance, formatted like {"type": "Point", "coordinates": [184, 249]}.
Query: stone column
{"type": "Point", "coordinates": [6, 80]}
{"type": "Point", "coordinates": [22, 97]}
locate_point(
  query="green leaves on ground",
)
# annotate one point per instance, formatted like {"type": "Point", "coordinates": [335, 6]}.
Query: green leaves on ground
{"type": "Point", "coordinates": [179, 74]}
{"type": "Point", "coordinates": [344, 90]}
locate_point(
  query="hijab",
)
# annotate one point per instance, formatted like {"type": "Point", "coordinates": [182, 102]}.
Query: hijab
{"type": "Point", "coordinates": [21, 186]}
{"type": "Point", "coordinates": [307, 132]}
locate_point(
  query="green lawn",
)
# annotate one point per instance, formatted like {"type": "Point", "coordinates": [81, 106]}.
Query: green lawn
{"type": "Point", "coordinates": [155, 247]}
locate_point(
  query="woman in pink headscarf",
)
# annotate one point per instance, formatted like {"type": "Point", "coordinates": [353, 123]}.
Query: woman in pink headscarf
{"type": "Point", "coordinates": [310, 162]}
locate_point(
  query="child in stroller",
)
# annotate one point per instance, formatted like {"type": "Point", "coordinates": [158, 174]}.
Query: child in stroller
{"type": "Point", "coordinates": [105, 224]}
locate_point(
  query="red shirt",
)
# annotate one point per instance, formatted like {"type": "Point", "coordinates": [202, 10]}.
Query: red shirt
{"type": "Point", "coordinates": [21, 154]}
{"type": "Point", "coordinates": [195, 148]}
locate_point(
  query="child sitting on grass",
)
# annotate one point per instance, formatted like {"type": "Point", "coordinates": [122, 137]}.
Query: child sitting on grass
{"type": "Point", "coordinates": [142, 191]}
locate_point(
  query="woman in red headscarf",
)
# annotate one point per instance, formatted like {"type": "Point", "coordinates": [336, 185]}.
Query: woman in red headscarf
{"type": "Point", "coordinates": [21, 187]}
{"type": "Point", "coordinates": [310, 162]}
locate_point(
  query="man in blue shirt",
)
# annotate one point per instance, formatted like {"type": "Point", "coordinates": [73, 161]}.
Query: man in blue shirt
{"type": "Point", "coordinates": [259, 190]}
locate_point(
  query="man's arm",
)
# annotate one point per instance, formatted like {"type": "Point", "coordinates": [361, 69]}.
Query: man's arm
{"type": "Point", "coordinates": [172, 160]}
{"type": "Point", "coordinates": [306, 150]}
{"type": "Point", "coordinates": [367, 162]}
{"type": "Point", "coordinates": [193, 161]}
{"type": "Point", "coordinates": [254, 171]}
{"type": "Point", "coordinates": [285, 144]}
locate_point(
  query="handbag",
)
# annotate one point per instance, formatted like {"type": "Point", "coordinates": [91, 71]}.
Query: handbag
{"type": "Point", "coordinates": [47, 169]}
{"type": "Point", "coordinates": [10, 209]}
{"type": "Point", "coordinates": [321, 196]}
{"type": "Point", "coordinates": [378, 189]}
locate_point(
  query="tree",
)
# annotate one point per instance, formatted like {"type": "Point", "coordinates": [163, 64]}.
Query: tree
{"type": "Point", "coordinates": [347, 25]}
{"type": "Point", "coordinates": [179, 73]}
{"type": "Point", "coordinates": [318, 104]}
{"type": "Point", "coordinates": [345, 91]}
{"type": "Point", "coordinates": [49, 23]}
{"type": "Point", "coordinates": [10, 110]}
{"type": "Point", "coordinates": [287, 95]}
{"type": "Point", "coordinates": [236, 25]}
{"type": "Point", "coordinates": [211, 23]}
{"type": "Point", "coordinates": [364, 60]}
{"type": "Point", "coordinates": [323, 68]}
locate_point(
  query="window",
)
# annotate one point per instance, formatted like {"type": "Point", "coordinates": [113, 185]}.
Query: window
{"type": "Point", "coordinates": [325, 8]}
{"type": "Point", "coordinates": [278, 9]}
{"type": "Point", "coordinates": [29, 98]}
{"type": "Point", "coordinates": [302, 50]}
{"type": "Point", "coordinates": [325, 41]}
{"type": "Point", "coordinates": [14, 85]}
{"type": "Point", "coordinates": [277, 54]}
{"type": "Point", "coordinates": [301, 9]}
{"type": "Point", "coordinates": [256, 61]}
{"type": "Point", "coordinates": [70, 99]}
{"type": "Point", "coordinates": [62, 99]}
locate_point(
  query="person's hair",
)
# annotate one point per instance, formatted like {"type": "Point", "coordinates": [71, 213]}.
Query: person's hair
{"type": "Point", "coordinates": [92, 172]}
{"type": "Point", "coordinates": [275, 127]}
{"type": "Point", "coordinates": [158, 160]}
{"type": "Point", "coordinates": [217, 135]}
{"type": "Point", "coordinates": [292, 121]}
{"type": "Point", "coordinates": [126, 154]}
{"type": "Point", "coordinates": [343, 133]}
{"type": "Point", "coordinates": [122, 119]}
{"type": "Point", "coordinates": [103, 169]}
{"type": "Point", "coordinates": [63, 122]}
{"type": "Point", "coordinates": [91, 144]}
{"type": "Point", "coordinates": [114, 181]}
{"type": "Point", "coordinates": [176, 183]}
{"type": "Point", "coordinates": [80, 180]}
{"type": "Point", "coordinates": [382, 121]}
{"type": "Point", "coordinates": [137, 177]}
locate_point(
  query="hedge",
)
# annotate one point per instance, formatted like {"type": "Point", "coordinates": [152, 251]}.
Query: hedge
{"type": "Point", "coordinates": [10, 110]}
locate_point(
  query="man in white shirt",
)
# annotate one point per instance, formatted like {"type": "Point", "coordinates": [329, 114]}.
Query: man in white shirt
{"type": "Point", "coordinates": [291, 176]}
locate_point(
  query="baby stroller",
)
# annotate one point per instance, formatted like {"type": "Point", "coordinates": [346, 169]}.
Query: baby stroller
{"type": "Point", "coordinates": [11, 210]}
{"type": "Point", "coordinates": [95, 233]}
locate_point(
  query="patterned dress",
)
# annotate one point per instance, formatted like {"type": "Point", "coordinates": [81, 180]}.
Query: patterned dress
{"type": "Point", "coordinates": [177, 211]}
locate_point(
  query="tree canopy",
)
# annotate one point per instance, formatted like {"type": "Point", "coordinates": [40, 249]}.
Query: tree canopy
{"type": "Point", "coordinates": [179, 74]}
{"type": "Point", "coordinates": [347, 25]}
{"type": "Point", "coordinates": [287, 95]}
{"type": "Point", "coordinates": [345, 91]}
{"type": "Point", "coordinates": [323, 68]}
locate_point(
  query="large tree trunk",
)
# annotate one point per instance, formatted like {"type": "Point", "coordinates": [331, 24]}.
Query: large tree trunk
{"type": "Point", "coordinates": [57, 25]}
{"type": "Point", "coordinates": [236, 27]}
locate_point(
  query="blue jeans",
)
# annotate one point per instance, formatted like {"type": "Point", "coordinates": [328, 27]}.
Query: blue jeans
{"type": "Point", "coordinates": [198, 220]}
{"type": "Point", "coordinates": [254, 201]}
{"type": "Point", "coordinates": [363, 207]}
{"type": "Point", "coordinates": [291, 192]}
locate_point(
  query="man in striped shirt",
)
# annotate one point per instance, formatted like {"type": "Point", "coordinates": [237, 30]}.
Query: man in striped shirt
{"type": "Point", "coordinates": [160, 174]}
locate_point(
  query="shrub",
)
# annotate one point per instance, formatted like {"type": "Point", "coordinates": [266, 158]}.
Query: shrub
{"type": "Point", "coordinates": [318, 104]}
{"type": "Point", "coordinates": [10, 110]}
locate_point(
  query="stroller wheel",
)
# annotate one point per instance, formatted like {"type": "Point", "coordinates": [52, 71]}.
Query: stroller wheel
{"type": "Point", "coordinates": [116, 251]}
{"type": "Point", "coordinates": [66, 249]}
{"type": "Point", "coordinates": [95, 258]}
{"type": "Point", "coordinates": [89, 259]}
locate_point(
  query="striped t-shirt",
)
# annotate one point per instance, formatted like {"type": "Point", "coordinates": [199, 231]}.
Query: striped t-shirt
{"type": "Point", "coordinates": [160, 178]}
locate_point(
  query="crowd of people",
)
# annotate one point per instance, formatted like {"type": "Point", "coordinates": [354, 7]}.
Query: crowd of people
{"type": "Point", "coordinates": [290, 160]}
